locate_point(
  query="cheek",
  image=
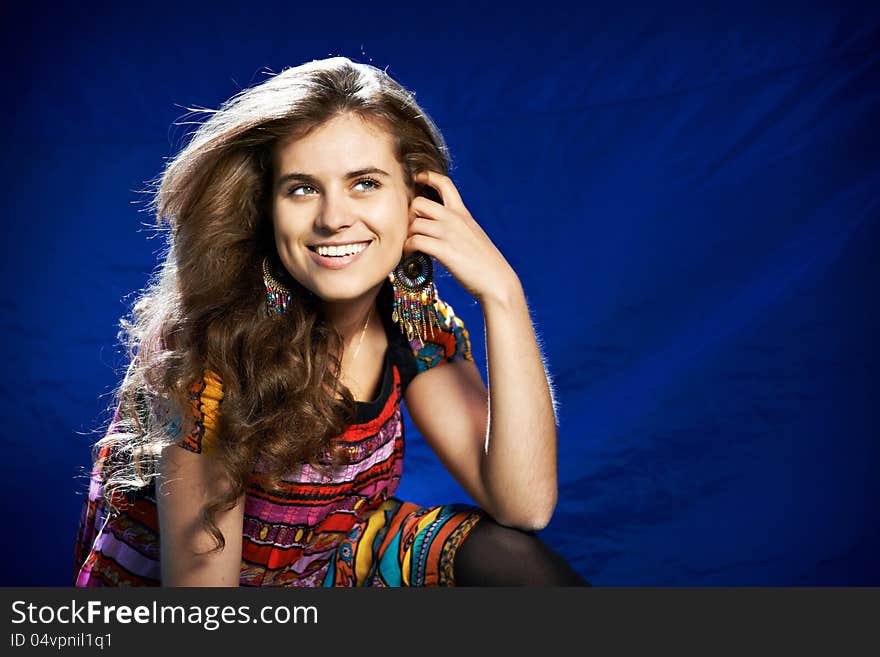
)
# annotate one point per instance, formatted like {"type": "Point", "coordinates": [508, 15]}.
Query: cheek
{"type": "Point", "coordinates": [392, 218]}
{"type": "Point", "coordinates": [286, 224]}
{"type": "Point", "coordinates": [400, 229]}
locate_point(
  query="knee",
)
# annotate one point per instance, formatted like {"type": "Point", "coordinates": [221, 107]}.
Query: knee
{"type": "Point", "coordinates": [489, 539]}
{"type": "Point", "coordinates": [494, 554]}
{"type": "Point", "coordinates": [501, 539]}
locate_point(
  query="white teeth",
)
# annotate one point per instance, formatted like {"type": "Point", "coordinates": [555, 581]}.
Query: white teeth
{"type": "Point", "coordinates": [345, 249]}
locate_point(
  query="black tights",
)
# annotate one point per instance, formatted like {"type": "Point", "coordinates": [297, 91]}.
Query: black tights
{"type": "Point", "coordinates": [495, 555]}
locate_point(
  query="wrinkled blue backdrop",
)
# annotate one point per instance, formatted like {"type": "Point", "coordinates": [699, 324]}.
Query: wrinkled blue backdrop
{"type": "Point", "coordinates": [690, 197]}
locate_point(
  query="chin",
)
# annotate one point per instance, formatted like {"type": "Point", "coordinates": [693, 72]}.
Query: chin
{"type": "Point", "coordinates": [342, 291]}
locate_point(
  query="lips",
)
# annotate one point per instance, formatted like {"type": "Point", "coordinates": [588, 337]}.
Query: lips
{"type": "Point", "coordinates": [337, 262]}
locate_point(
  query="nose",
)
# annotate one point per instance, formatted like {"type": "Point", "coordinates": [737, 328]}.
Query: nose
{"type": "Point", "coordinates": [335, 213]}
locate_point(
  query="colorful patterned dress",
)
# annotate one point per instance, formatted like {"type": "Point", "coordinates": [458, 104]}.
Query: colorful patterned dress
{"type": "Point", "coordinates": [342, 529]}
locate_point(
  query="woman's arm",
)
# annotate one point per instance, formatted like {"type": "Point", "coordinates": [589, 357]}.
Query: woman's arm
{"type": "Point", "coordinates": [503, 453]}
{"type": "Point", "coordinates": [187, 482]}
{"type": "Point", "coordinates": [519, 466]}
{"type": "Point", "coordinates": [510, 467]}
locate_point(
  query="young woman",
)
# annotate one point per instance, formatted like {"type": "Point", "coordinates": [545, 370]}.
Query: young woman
{"type": "Point", "coordinates": [258, 439]}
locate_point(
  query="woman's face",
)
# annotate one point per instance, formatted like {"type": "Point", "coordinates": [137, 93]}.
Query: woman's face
{"type": "Point", "coordinates": [340, 184]}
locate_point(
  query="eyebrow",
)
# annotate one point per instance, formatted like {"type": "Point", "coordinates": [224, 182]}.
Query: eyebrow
{"type": "Point", "coordinates": [311, 180]}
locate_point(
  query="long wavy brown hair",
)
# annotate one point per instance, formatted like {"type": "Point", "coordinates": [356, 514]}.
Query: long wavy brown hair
{"type": "Point", "coordinates": [205, 306]}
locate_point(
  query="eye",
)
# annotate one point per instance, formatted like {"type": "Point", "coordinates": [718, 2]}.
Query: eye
{"type": "Point", "coordinates": [293, 191]}
{"type": "Point", "coordinates": [374, 184]}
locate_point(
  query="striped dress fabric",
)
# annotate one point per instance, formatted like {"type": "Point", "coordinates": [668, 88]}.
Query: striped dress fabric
{"type": "Point", "coordinates": [345, 528]}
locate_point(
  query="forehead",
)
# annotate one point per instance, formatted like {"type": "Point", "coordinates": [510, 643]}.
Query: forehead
{"type": "Point", "coordinates": [339, 144]}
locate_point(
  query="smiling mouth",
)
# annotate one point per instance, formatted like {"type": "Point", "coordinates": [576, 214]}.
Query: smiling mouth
{"type": "Point", "coordinates": [338, 261]}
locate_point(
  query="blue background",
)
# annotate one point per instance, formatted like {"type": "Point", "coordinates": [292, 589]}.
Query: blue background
{"type": "Point", "coordinates": [690, 196]}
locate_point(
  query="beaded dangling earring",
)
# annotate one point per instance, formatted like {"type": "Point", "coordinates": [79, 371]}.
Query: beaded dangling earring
{"type": "Point", "coordinates": [415, 296]}
{"type": "Point", "coordinates": [278, 297]}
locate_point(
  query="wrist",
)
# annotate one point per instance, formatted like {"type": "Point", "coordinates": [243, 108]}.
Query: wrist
{"type": "Point", "coordinates": [506, 292]}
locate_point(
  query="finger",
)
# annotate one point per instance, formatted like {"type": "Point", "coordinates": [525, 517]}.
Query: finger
{"type": "Point", "coordinates": [425, 207]}
{"type": "Point", "coordinates": [428, 227]}
{"type": "Point", "coordinates": [428, 245]}
{"type": "Point", "coordinates": [444, 185]}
